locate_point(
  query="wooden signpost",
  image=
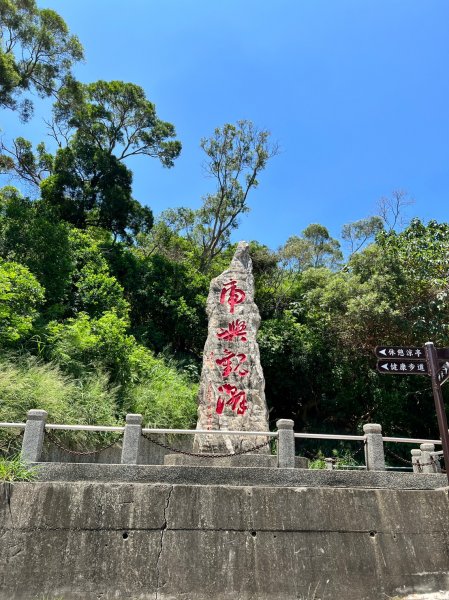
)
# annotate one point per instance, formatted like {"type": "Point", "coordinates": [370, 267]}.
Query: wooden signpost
{"type": "Point", "coordinates": [410, 360]}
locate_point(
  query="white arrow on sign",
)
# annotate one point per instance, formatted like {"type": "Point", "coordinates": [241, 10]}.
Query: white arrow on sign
{"type": "Point", "coordinates": [385, 367]}
{"type": "Point", "coordinates": [384, 352]}
{"type": "Point", "coordinates": [443, 373]}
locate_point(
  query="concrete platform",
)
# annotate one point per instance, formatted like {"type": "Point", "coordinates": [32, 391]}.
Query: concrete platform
{"type": "Point", "coordinates": [242, 460]}
{"type": "Point", "coordinates": [245, 476]}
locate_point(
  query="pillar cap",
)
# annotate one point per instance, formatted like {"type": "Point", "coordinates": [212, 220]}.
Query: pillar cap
{"type": "Point", "coordinates": [36, 414]}
{"type": "Point", "coordinates": [416, 452]}
{"type": "Point", "coordinates": [372, 428]}
{"type": "Point", "coordinates": [427, 447]}
{"type": "Point", "coordinates": [285, 424]}
{"type": "Point", "coordinates": [133, 419]}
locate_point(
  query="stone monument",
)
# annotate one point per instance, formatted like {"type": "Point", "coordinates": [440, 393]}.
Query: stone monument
{"type": "Point", "coordinates": [232, 395]}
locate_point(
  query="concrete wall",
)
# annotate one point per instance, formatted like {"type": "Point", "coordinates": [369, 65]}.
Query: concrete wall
{"type": "Point", "coordinates": [104, 541]}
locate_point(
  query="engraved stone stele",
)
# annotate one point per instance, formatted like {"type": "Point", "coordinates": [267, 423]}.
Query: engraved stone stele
{"type": "Point", "coordinates": [232, 387]}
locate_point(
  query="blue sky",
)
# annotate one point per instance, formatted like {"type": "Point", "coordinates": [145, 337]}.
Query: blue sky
{"type": "Point", "coordinates": [356, 92]}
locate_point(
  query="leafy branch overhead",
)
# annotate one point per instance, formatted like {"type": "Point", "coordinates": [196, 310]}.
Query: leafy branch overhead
{"type": "Point", "coordinates": [36, 53]}
{"type": "Point", "coordinates": [235, 156]}
{"type": "Point", "coordinates": [96, 127]}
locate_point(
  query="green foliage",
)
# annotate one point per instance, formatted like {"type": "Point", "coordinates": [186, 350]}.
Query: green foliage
{"type": "Point", "coordinates": [315, 248]}
{"type": "Point", "coordinates": [236, 154]}
{"type": "Point", "coordinates": [36, 52]}
{"type": "Point", "coordinates": [357, 234]}
{"type": "Point", "coordinates": [15, 469]}
{"type": "Point", "coordinates": [147, 384]}
{"type": "Point", "coordinates": [26, 383]}
{"type": "Point", "coordinates": [87, 344]}
{"type": "Point", "coordinates": [163, 396]}
{"type": "Point", "coordinates": [340, 460]}
{"type": "Point", "coordinates": [117, 118]}
{"type": "Point", "coordinates": [91, 187]}
{"type": "Point", "coordinates": [32, 237]}
{"type": "Point", "coordinates": [20, 294]}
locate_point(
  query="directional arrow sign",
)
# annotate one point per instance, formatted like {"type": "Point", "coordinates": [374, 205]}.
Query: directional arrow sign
{"type": "Point", "coordinates": [443, 373]}
{"type": "Point", "coordinates": [399, 352]}
{"type": "Point", "coordinates": [403, 367]}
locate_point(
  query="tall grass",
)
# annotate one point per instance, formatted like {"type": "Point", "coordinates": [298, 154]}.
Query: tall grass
{"type": "Point", "coordinates": [26, 383]}
{"type": "Point", "coordinates": [164, 397]}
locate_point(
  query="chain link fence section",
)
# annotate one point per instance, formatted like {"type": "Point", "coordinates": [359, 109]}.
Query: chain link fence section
{"type": "Point", "coordinates": [198, 455]}
{"type": "Point", "coordinates": [54, 440]}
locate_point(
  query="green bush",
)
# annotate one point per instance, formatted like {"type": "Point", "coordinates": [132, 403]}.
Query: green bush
{"type": "Point", "coordinates": [163, 396]}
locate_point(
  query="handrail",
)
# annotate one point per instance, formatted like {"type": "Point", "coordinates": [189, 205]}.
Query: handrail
{"type": "Point", "coordinates": [410, 440]}
{"type": "Point", "coordinates": [328, 436]}
{"type": "Point", "coordinates": [272, 434]}
{"type": "Point", "coordinates": [84, 427]}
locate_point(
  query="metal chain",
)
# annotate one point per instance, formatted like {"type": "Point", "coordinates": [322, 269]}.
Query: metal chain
{"type": "Point", "coordinates": [397, 457]}
{"type": "Point", "coordinates": [57, 443]}
{"type": "Point", "coordinates": [153, 441]}
{"type": "Point", "coordinates": [418, 463]}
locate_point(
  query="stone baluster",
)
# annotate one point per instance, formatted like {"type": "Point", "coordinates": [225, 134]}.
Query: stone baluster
{"type": "Point", "coordinates": [374, 447]}
{"type": "Point", "coordinates": [33, 437]}
{"type": "Point", "coordinates": [286, 444]}
{"type": "Point", "coordinates": [132, 440]}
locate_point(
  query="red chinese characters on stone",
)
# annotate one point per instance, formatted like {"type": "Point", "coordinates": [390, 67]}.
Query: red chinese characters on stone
{"type": "Point", "coordinates": [235, 294]}
{"type": "Point", "coordinates": [237, 399]}
{"type": "Point", "coordinates": [236, 329]}
{"type": "Point", "coordinates": [230, 365]}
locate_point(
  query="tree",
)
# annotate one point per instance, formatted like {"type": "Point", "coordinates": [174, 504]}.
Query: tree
{"type": "Point", "coordinates": [33, 238]}
{"type": "Point", "coordinates": [391, 210]}
{"type": "Point", "coordinates": [235, 155]}
{"type": "Point", "coordinates": [315, 248]}
{"type": "Point", "coordinates": [357, 234]}
{"type": "Point", "coordinates": [90, 187]}
{"type": "Point", "coordinates": [20, 294]}
{"type": "Point", "coordinates": [36, 53]}
{"type": "Point", "coordinates": [114, 117]}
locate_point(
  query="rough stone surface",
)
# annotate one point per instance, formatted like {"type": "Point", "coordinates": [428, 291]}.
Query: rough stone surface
{"type": "Point", "coordinates": [242, 460]}
{"type": "Point", "coordinates": [374, 447]}
{"type": "Point", "coordinates": [90, 540]}
{"type": "Point", "coordinates": [131, 440]}
{"type": "Point", "coordinates": [239, 476]}
{"type": "Point", "coordinates": [33, 436]}
{"type": "Point", "coordinates": [232, 387]}
{"type": "Point", "coordinates": [150, 454]}
{"type": "Point", "coordinates": [286, 443]}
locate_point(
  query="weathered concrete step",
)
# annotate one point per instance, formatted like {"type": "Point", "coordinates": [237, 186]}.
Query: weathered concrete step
{"type": "Point", "coordinates": [249, 476]}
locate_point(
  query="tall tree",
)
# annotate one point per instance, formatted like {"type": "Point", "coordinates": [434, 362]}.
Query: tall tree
{"type": "Point", "coordinates": [115, 117]}
{"type": "Point", "coordinates": [235, 156]}
{"type": "Point", "coordinates": [36, 53]}
{"type": "Point", "coordinates": [315, 248]}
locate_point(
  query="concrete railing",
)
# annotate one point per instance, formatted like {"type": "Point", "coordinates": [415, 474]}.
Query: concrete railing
{"type": "Point", "coordinates": [424, 460]}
